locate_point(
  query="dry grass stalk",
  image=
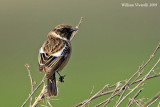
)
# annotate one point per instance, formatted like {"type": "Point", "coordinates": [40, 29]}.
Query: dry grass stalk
{"type": "Point", "coordinates": [121, 91]}
{"type": "Point", "coordinates": [40, 96]}
{"type": "Point", "coordinates": [133, 99]}
{"type": "Point", "coordinates": [152, 101]}
{"type": "Point", "coordinates": [31, 80]}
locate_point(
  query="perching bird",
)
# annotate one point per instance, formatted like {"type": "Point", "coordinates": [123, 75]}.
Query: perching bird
{"type": "Point", "coordinates": [54, 55]}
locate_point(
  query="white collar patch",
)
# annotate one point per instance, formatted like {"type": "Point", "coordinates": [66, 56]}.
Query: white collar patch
{"type": "Point", "coordinates": [58, 36]}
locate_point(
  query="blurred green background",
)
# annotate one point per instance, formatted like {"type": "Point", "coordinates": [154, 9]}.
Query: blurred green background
{"type": "Point", "coordinates": [112, 43]}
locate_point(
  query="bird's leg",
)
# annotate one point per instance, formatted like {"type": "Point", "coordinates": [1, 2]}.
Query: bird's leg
{"type": "Point", "coordinates": [61, 78]}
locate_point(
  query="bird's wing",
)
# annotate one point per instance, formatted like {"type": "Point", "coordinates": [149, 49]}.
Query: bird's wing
{"type": "Point", "coordinates": [52, 54]}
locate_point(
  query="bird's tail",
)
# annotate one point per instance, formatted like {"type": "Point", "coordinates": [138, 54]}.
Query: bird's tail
{"type": "Point", "coordinates": [52, 87]}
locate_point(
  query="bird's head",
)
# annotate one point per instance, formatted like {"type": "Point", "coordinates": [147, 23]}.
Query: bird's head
{"type": "Point", "coordinates": [64, 30]}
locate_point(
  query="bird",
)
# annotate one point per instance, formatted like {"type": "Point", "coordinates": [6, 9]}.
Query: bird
{"type": "Point", "coordinates": [54, 54]}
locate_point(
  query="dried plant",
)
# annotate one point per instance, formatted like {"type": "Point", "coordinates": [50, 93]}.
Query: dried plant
{"type": "Point", "coordinates": [123, 90]}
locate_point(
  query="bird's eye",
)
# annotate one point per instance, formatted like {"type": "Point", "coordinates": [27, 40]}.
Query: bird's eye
{"type": "Point", "coordinates": [62, 30]}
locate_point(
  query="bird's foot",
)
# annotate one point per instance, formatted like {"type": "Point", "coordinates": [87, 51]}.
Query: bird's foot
{"type": "Point", "coordinates": [61, 78]}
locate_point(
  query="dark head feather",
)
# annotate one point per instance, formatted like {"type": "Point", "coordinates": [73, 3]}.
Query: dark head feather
{"type": "Point", "coordinates": [64, 30]}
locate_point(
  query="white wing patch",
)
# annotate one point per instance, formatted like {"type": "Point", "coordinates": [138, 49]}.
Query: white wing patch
{"type": "Point", "coordinates": [59, 53]}
{"type": "Point", "coordinates": [41, 50]}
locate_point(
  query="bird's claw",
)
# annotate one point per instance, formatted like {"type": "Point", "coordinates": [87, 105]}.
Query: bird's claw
{"type": "Point", "coordinates": [61, 78]}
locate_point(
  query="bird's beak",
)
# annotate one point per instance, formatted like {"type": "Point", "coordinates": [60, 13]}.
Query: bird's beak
{"type": "Point", "coordinates": [74, 29]}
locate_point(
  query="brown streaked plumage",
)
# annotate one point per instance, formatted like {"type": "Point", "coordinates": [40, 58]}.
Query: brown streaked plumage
{"type": "Point", "coordinates": [54, 54]}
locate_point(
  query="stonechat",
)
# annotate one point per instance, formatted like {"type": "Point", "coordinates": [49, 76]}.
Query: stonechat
{"type": "Point", "coordinates": [54, 55]}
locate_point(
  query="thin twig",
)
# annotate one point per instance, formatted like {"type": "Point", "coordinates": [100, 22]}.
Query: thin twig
{"type": "Point", "coordinates": [158, 104]}
{"type": "Point", "coordinates": [40, 97]}
{"type": "Point", "coordinates": [101, 91]}
{"type": "Point", "coordinates": [132, 100]}
{"type": "Point", "coordinates": [49, 103]}
{"type": "Point", "coordinates": [126, 87]}
{"type": "Point", "coordinates": [137, 103]}
{"type": "Point", "coordinates": [31, 80]}
{"type": "Point", "coordinates": [109, 92]}
{"type": "Point", "coordinates": [113, 94]}
{"type": "Point", "coordinates": [151, 101]}
{"type": "Point", "coordinates": [140, 68]}
{"type": "Point", "coordinates": [91, 91]}
{"type": "Point", "coordinates": [75, 32]}
{"type": "Point", "coordinates": [108, 100]}
{"type": "Point", "coordinates": [43, 79]}
{"type": "Point", "coordinates": [124, 90]}
{"type": "Point", "coordinates": [139, 83]}
{"type": "Point", "coordinates": [146, 79]}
